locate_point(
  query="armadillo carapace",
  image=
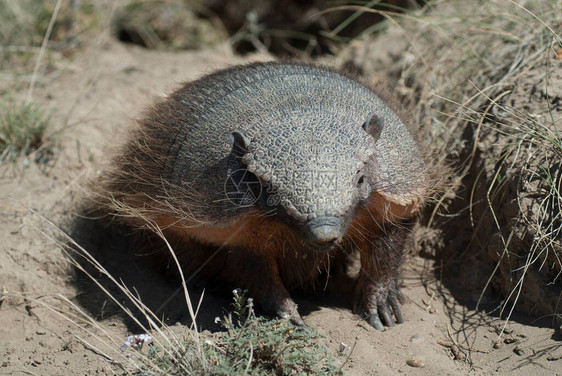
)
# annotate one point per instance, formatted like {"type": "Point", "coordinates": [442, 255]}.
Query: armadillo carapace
{"type": "Point", "coordinates": [266, 172]}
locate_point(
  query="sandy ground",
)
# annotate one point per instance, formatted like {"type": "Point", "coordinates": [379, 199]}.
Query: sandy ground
{"type": "Point", "coordinates": [91, 100]}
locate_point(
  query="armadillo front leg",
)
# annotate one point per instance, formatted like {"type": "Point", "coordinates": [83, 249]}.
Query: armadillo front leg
{"type": "Point", "coordinates": [377, 293]}
{"type": "Point", "coordinates": [259, 274]}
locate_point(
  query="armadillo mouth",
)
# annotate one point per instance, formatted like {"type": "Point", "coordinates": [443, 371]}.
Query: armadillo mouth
{"type": "Point", "coordinates": [323, 233]}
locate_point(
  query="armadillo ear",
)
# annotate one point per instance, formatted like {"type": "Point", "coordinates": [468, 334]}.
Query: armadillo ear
{"type": "Point", "coordinates": [373, 126]}
{"type": "Point", "coordinates": [239, 143]}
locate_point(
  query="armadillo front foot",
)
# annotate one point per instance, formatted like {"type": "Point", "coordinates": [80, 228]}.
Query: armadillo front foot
{"type": "Point", "coordinates": [278, 302]}
{"type": "Point", "coordinates": [293, 316]}
{"type": "Point", "coordinates": [383, 315]}
{"type": "Point", "coordinates": [378, 304]}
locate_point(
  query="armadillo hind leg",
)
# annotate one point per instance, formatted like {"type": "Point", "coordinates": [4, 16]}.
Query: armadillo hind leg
{"type": "Point", "coordinates": [377, 293]}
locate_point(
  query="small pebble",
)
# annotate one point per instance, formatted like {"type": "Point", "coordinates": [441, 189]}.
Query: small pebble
{"type": "Point", "coordinates": [444, 343]}
{"type": "Point", "coordinates": [415, 362]}
{"type": "Point", "coordinates": [497, 344]}
{"type": "Point", "coordinates": [416, 338]}
{"type": "Point", "coordinates": [510, 340]}
{"type": "Point", "coordinates": [344, 348]}
{"type": "Point", "coordinates": [518, 350]}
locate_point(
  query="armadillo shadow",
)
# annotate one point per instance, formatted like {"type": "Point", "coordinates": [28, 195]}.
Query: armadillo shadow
{"type": "Point", "coordinates": [122, 253]}
{"type": "Point", "coordinates": [128, 257]}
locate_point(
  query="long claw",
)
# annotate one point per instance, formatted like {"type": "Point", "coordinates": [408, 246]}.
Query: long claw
{"type": "Point", "coordinates": [297, 321]}
{"type": "Point", "coordinates": [303, 329]}
{"type": "Point", "coordinates": [374, 320]}
{"type": "Point", "coordinates": [386, 315]}
{"type": "Point", "coordinates": [396, 309]}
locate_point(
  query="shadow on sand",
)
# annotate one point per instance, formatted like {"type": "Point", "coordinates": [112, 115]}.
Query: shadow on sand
{"type": "Point", "coordinates": [141, 262]}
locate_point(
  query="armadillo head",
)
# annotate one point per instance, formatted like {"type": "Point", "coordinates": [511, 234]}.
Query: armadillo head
{"type": "Point", "coordinates": [311, 167]}
{"type": "Point", "coordinates": [318, 143]}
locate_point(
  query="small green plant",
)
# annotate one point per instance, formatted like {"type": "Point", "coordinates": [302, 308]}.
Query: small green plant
{"type": "Point", "coordinates": [255, 346]}
{"type": "Point", "coordinates": [22, 129]}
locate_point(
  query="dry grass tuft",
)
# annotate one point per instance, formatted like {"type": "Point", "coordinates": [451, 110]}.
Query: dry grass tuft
{"type": "Point", "coordinates": [22, 130]}
{"type": "Point", "coordinates": [484, 81]}
{"type": "Point", "coordinates": [166, 24]}
{"type": "Point", "coordinates": [24, 24]}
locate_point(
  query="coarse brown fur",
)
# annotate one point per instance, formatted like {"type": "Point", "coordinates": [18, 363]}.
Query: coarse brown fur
{"type": "Point", "coordinates": [258, 251]}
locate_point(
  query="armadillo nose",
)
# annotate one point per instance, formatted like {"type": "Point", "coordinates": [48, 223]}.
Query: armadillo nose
{"type": "Point", "coordinates": [323, 232]}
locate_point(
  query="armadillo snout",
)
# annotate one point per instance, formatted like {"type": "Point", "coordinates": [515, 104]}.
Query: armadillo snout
{"type": "Point", "coordinates": [323, 232]}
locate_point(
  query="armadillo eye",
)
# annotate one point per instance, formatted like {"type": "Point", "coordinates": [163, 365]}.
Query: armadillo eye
{"type": "Point", "coordinates": [361, 180]}
{"type": "Point", "coordinates": [363, 189]}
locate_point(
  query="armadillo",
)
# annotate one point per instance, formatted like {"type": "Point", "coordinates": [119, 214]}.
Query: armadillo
{"type": "Point", "coordinates": [267, 172]}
